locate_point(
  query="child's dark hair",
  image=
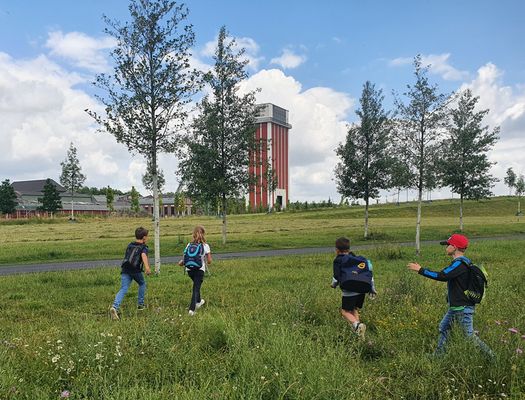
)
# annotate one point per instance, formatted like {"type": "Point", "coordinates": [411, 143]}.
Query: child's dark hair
{"type": "Point", "coordinates": [140, 233]}
{"type": "Point", "coordinates": [342, 244]}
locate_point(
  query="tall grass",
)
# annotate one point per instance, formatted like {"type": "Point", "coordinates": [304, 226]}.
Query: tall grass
{"type": "Point", "coordinates": [270, 329]}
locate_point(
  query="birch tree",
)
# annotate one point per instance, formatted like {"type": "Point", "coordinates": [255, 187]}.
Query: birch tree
{"type": "Point", "coordinates": [510, 179]}
{"type": "Point", "coordinates": [72, 177]}
{"type": "Point", "coordinates": [147, 94]}
{"type": "Point", "coordinates": [421, 120]}
{"type": "Point", "coordinates": [520, 189]}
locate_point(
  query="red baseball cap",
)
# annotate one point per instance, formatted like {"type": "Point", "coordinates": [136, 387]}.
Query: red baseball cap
{"type": "Point", "coordinates": [456, 240]}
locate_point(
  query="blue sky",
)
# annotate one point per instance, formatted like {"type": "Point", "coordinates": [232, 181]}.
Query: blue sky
{"type": "Point", "coordinates": [309, 57]}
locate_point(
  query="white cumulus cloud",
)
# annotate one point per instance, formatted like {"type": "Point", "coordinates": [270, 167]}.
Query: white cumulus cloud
{"type": "Point", "coordinates": [288, 59]}
{"type": "Point", "coordinates": [42, 112]}
{"type": "Point", "coordinates": [80, 49]}
{"type": "Point", "coordinates": [439, 65]}
{"type": "Point", "coordinates": [506, 106]}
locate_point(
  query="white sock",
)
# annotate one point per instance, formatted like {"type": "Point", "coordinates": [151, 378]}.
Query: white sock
{"type": "Point", "coordinates": [355, 324]}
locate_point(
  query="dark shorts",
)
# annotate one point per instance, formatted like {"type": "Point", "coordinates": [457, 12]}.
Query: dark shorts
{"type": "Point", "coordinates": [350, 303]}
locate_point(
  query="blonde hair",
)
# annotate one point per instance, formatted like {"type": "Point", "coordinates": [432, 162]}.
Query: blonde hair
{"type": "Point", "coordinates": [198, 234]}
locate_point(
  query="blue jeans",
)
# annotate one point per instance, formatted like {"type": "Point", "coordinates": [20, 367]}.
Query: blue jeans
{"type": "Point", "coordinates": [465, 319]}
{"type": "Point", "coordinates": [126, 280]}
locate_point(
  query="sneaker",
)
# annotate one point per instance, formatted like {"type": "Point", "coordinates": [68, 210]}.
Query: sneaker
{"type": "Point", "coordinates": [141, 307]}
{"type": "Point", "coordinates": [360, 330]}
{"type": "Point", "coordinates": [191, 313]}
{"type": "Point", "coordinates": [200, 303]}
{"type": "Point", "coordinates": [113, 313]}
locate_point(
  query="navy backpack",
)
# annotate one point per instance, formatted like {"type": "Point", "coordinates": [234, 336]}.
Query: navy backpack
{"type": "Point", "coordinates": [356, 275]}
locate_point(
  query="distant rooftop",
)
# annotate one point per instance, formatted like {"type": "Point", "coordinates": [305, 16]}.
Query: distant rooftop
{"type": "Point", "coordinates": [34, 187]}
{"type": "Point", "coordinates": [271, 113]}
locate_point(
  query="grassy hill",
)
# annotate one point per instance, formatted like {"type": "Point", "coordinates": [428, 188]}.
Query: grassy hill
{"type": "Point", "coordinates": [105, 238]}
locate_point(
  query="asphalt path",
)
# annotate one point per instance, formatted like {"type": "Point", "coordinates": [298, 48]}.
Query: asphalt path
{"type": "Point", "coordinates": [74, 265]}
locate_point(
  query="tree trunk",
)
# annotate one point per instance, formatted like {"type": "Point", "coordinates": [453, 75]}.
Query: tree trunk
{"type": "Point", "coordinates": [461, 212]}
{"type": "Point", "coordinates": [72, 214]}
{"type": "Point", "coordinates": [519, 207]}
{"type": "Point", "coordinates": [223, 219]}
{"type": "Point", "coordinates": [366, 217]}
{"type": "Point", "coordinates": [156, 219]}
{"type": "Point", "coordinates": [398, 191]}
{"type": "Point", "coordinates": [418, 222]}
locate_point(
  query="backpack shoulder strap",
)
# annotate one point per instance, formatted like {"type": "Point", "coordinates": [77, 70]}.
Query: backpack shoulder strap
{"type": "Point", "coordinates": [353, 260]}
{"type": "Point", "coordinates": [465, 260]}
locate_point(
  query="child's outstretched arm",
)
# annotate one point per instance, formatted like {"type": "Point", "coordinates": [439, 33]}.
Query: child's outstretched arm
{"type": "Point", "coordinates": [452, 271]}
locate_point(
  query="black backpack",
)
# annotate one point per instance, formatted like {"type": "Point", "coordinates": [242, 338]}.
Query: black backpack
{"type": "Point", "coordinates": [193, 255]}
{"type": "Point", "coordinates": [477, 281]}
{"type": "Point", "coordinates": [355, 275]}
{"type": "Point", "coordinates": [133, 258]}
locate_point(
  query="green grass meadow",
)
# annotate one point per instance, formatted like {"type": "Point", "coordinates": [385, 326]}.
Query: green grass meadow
{"type": "Point", "coordinates": [271, 326]}
{"type": "Point", "coordinates": [37, 241]}
{"type": "Point", "coordinates": [270, 329]}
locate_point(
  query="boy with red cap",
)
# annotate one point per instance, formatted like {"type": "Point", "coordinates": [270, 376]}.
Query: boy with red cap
{"type": "Point", "coordinates": [461, 308]}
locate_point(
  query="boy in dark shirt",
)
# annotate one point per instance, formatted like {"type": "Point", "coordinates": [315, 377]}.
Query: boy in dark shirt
{"type": "Point", "coordinates": [135, 260]}
{"type": "Point", "coordinates": [461, 308]}
{"type": "Point", "coordinates": [351, 302]}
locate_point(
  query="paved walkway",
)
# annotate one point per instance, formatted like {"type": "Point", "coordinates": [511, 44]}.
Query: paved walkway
{"type": "Point", "coordinates": [72, 265]}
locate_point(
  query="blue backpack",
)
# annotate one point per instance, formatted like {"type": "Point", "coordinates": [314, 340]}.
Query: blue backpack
{"type": "Point", "coordinates": [193, 255]}
{"type": "Point", "coordinates": [356, 274]}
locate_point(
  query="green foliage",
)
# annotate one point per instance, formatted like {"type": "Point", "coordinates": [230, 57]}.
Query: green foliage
{"type": "Point", "coordinates": [400, 175]}
{"type": "Point", "coordinates": [520, 186]}
{"type": "Point", "coordinates": [520, 189]}
{"type": "Point", "coordinates": [270, 329]}
{"type": "Point", "coordinates": [7, 198]}
{"type": "Point", "coordinates": [110, 199]}
{"type": "Point", "coordinates": [147, 95]}
{"type": "Point", "coordinates": [147, 179]}
{"type": "Point", "coordinates": [135, 206]}
{"type": "Point", "coordinates": [215, 164]}
{"type": "Point", "coordinates": [419, 126]}
{"type": "Point", "coordinates": [365, 158]}
{"type": "Point", "coordinates": [419, 123]}
{"type": "Point", "coordinates": [364, 165]}
{"type": "Point", "coordinates": [151, 82]}
{"type": "Point", "coordinates": [51, 201]}
{"type": "Point", "coordinates": [99, 191]}
{"type": "Point", "coordinates": [465, 162]}
{"type": "Point", "coordinates": [510, 179]}
{"type": "Point", "coordinates": [71, 177]}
